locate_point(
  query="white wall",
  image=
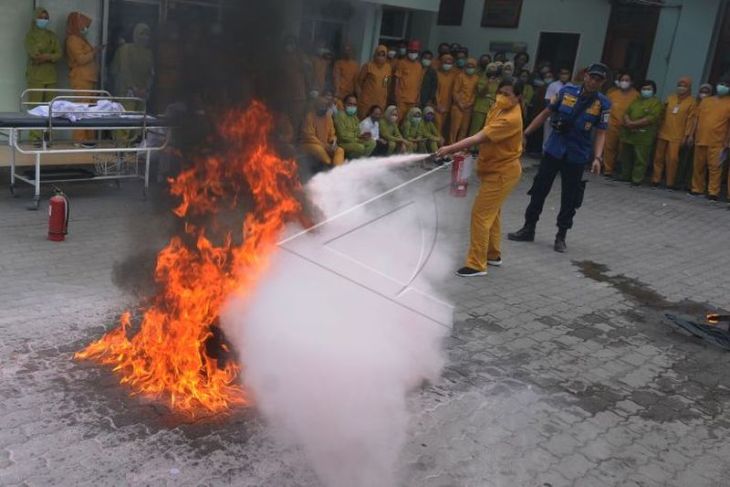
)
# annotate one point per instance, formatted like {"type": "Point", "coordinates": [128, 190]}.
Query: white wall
{"type": "Point", "coordinates": [589, 18]}
{"type": "Point", "coordinates": [689, 51]}
{"type": "Point", "coordinates": [15, 18]}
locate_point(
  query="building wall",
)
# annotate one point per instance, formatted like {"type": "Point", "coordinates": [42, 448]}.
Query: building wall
{"type": "Point", "coordinates": [589, 18]}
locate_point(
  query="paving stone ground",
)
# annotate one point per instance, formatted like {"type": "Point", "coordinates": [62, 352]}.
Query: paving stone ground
{"type": "Point", "coordinates": [562, 370]}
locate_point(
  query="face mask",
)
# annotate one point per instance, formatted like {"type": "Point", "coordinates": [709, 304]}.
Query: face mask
{"type": "Point", "coordinates": [470, 70]}
{"type": "Point", "coordinates": [624, 85]}
{"type": "Point", "coordinates": [402, 51]}
{"type": "Point", "coordinates": [647, 93]}
{"type": "Point", "coordinates": [426, 62]}
{"type": "Point", "coordinates": [538, 82]}
{"type": "Point", "coordinates": [350, 110]}
{"type": "Point", "coordinates": [85, 31]}
{"type": "Point", "coordinates": [393, 118]}
{"type": "Point", "coordinates": [447, 67]}
{"type": "Point", "coordinates": [682, 90]}
{"type": "Point", "coordinates": [548, 81]}
{"type": "Point", "coordinates": [416, 119]}
{"type": "Point", "coordinates": [41, 23]}
{"type": "Point", "coordinates": [722, 90]}
{"type": "Point", "coordinates": [412, 56]}
{"type": "Point", "coordinates": [391, 54]}
{"type": "Point", "coordinates": [461, 62]}
{"type": "Point", "coordinates": [704, 95]}
{"type": "Point", "coordinates": [429, 117]}
{"type": "Point", "coordinates": [564, 78]}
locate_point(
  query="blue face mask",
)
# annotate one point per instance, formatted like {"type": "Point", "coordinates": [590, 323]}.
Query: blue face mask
{"type": "Point", "coordinates": [41, 23]}
{"type": "Point", "coordinates": [350, 110]}
{"type": "Point", "coordinates": [722, 90]}
{"type": "Point", "coordinates": [647, 93]}
{"type": "Point", "coordinates": [85, 31]}
{"type": "Point", "coordinates": [461, 62]}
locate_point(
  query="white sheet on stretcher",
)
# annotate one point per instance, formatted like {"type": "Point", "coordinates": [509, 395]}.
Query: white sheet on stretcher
{"type": "Point", "coordinates": [78, 111]}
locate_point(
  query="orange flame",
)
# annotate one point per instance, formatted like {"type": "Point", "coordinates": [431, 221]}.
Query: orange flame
{"type": "Point", "coordinates": [167, 355]}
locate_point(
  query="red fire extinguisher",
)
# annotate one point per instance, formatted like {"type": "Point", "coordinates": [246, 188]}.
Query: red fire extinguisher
{"type": "Point", "coordinates": [460, 172]}
{"type": "Point", "coordinates": [58, 211]}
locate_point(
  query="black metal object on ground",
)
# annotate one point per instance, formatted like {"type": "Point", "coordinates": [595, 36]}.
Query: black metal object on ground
{"type": "Point", "coordinates": [711, 334]}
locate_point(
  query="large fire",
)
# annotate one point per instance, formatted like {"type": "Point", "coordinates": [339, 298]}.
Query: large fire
{"type": "Point", "coordinates": [166, 354]}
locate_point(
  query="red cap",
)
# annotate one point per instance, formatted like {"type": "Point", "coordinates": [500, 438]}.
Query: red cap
{"type": "Point", "coordinates": [414, 45]}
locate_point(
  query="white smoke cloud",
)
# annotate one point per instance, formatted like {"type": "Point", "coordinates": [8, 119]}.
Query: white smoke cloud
{"type": "Point", "coordinates": [343, 325]}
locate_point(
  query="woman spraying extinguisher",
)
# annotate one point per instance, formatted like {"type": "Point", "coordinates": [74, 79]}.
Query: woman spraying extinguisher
{"type": "Point", "coordinates": [499, 170]}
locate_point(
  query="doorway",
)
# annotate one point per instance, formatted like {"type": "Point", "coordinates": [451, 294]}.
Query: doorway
{"type": "Point", "coordinates": [559, 48]}
{"type": "Point", "coordinates": [630, 38]}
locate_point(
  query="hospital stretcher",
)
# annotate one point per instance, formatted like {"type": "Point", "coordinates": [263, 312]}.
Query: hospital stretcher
{"type": "Point", "coordinates": [14, 124]}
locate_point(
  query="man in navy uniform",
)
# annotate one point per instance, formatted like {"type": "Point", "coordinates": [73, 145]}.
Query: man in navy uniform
{"type": "Point", "coordinates": [576, 111]}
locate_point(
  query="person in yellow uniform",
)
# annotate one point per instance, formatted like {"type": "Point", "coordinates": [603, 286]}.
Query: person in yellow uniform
{"type": "Point", "coordinates": [711, 139]}
{"type": "Point", "coordinates": [486, 92]}
{"type": "Point", "coordinates": [44, 51]}
{"type": "Point", "coordinates": [344, 75]}
{"type": "Point", "coordinates": [445, 76]}
{"type": "Point", "coordinates": [675, 131]}
{"type": "Point", "coordinates": [412, 130]}
{"type": "Point", "coordinates": [83, 70]}
{"type": "Point", "coordinates": [433, 138]}
{"type": "Point", "coordinates": [347, 128]}
{"type": "Point", "coordinates": [621, 97]}
{"type": "Point", "coordinates": [372, 82]}
{"type": "Point", "coordinates": [397, 144]}
{"type": "Point", "coordinates": [321, 69]}
{"type": "Point", "coordinates": [499, 170]}
{"type": "Point", "coordinates": [638, 132]}
{"type": "Point", "coordinates": [408, 77]}
{"type": "Point", "coordinates": [463, 100]}
{"type": "Point", "coordinates": [318, 138]}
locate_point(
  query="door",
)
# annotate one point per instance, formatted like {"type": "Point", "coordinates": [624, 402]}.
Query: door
{"type": "Point", "coordinates": [559, 48]}
{"type": "Point", "coordinates": [721, 60]}
{"type": "Point", "coordinates": [630, 38]}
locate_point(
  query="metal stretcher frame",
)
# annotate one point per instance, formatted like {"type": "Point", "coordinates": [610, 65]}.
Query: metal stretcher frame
{"type": "Point", "coordinates": [138, 120]}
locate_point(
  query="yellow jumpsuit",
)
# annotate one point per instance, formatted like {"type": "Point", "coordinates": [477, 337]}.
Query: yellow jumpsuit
{"type": "Point", "coordinates": [83, 72]}
{"type": "Point", "coordinates": [499, 171]}
{"type": "Point", "coordinates": [620, 101]}
{"type": "Point", "coordinates": [463, 102]}
{"type": "Point", "coordinates": [676, 125]}
{"type": "Point", "coordinates": [372, 83]}
{"type": "Point", "coordinates": [318, 136]}
{"type": "Point", "coordinates": [713, 122]}
{"type": "Point", "coordinates": [408, 77]}
{"type": "Point", "coordinates": [444, 94]}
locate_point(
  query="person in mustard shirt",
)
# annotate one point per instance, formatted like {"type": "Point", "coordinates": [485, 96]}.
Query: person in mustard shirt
{"type": "Point", "coordinates": [344, 75]}
{"type": "Point", "coordinates": [408, 77]}
{"type": "Point", "coordinates": [347, 127]}
{"type": "Point", "coordinates": [621, 97]}
{"type": "Point", "coordinates": [675, 131]}
{"type": "Point", "coordinates": [464, 95]}
{"type": "Point", "coordinates": [83, 72]}
{"type": "Point", "coordinates": [711, 139]}
{"type": "Point", "coordinates": [372, 82]}
{"type": "Point", "coordinates": [499, 170]}
{"type": "Point", "coordinates": [638, 132]}
{"type": "Point", "coordinates": [318, 138]}
{"type": "Point", "coordinates": [445, 76]}
{"type": "Point", "coordinates": [433, 138]}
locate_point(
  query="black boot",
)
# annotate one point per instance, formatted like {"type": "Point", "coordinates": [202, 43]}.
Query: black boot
{"type": "Point", "coordinates": [560, 245]}
{"type": "Point", "coordinates": [524, 234]}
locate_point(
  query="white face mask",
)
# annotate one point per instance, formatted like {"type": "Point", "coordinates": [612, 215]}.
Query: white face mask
{"type": "Point", "coordinates": [704, 95]}
{"type": "Point", "coordinates": [391, 54]}
{"type": "Point", "coordinates": [412, 56]}
{"type": "Point", "coordinates": [624, 85]}
{"type": "Point", "coordinates": [426, 62]}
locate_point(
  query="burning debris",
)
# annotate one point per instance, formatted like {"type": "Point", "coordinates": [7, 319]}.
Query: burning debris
{"type": "Point", "coordinates": [168, 353]}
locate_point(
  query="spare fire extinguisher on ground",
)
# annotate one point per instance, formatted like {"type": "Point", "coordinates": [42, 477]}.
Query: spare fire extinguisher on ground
{"type": "Point", "coordinates": [460, 172]}
{"type": "Point", "coordinates": [58, 211]}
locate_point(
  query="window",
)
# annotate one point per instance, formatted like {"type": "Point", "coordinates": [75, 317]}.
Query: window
{"type": "Point", "coordinates": [502, 13]}
{"type": "Point", "coordinates": [394, 25]}
{"type": "Point", "coordinates": [451, 12]}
